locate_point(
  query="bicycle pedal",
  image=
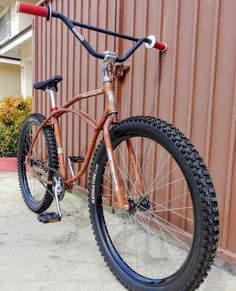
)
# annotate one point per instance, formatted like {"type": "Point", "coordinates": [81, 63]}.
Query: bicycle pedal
{"type": "Point", "coordinates": [75, 159]}
{"type": "Point", "coordinates": [49, 217]}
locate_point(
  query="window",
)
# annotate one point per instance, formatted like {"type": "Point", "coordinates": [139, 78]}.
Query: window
{"type": "Point", "coordinates": [5, 25]}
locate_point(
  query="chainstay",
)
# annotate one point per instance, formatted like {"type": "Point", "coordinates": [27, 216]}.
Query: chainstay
{"type": "Point", "coordinates": [61, 196]}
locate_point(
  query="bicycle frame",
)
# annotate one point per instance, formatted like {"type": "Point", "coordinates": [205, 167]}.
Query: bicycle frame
{"type": "Point", "coordinates": [110, 114]}
{"type": "Point", "coordinates": [173, 208]}
{"type": "Point", "coordinates": [108, 118]}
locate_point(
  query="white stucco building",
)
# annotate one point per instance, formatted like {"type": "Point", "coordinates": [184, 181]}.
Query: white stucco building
{"type": "Point", "coordinates": [15, 50]}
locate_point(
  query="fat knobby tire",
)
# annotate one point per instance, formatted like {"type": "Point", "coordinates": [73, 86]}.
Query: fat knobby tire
{"type": "Point", "coordinates": [203, 195]}
{"type": "Point", "coordinates": [36, 206]}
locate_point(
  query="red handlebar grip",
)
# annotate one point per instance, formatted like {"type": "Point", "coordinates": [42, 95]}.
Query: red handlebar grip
{"type": "Point", "coordinates": [162, 46]}
{"type": "Point", "coordinates": [32, 9]}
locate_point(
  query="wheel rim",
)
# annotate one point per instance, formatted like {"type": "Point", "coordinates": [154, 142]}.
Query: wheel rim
{"type": "Point", "coordinates": [154, 243]}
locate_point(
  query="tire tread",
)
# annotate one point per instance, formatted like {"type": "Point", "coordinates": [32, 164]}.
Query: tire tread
{"type": "Point", "coordinates": [53, 160]}
{"type": "Point", "coordinates": [199, 170]}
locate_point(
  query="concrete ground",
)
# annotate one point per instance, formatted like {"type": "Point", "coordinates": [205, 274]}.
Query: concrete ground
{"type": "Point", "coordinates": [60, 256]}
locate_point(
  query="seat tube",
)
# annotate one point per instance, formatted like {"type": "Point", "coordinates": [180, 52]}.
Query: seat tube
{"type": "Point", "coordinates": [60, 152]}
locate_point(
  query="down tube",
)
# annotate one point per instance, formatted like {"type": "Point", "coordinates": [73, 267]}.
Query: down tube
{"type": "Point", "coordinates": [89, 150]}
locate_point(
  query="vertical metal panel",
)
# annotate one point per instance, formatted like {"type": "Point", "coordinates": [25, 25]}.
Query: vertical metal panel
{"type": "Point", "coordinates": [193, 85]}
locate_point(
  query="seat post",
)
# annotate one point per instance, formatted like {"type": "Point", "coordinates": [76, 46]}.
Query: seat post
{"type": "Point", "coordinates": [52, 99]}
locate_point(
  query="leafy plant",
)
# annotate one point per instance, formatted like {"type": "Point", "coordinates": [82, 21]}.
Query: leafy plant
{"type": "Point", "coordinates": [13, 111]}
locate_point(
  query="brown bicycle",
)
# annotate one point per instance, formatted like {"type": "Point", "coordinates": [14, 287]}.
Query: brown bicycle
{"type": "Point", "coordinates": [152, 203]}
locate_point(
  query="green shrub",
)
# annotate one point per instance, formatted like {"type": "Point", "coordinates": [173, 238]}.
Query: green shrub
{"type": "Point", "coordinates": [13, 111]}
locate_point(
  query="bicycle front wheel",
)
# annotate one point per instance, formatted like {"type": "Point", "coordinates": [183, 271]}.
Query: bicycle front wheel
{"type": "Point", "coordinates": [168, 238]}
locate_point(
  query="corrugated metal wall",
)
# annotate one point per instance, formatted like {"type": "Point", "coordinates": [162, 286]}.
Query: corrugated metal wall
{"type": "Point", "coordinates": [193, 85]}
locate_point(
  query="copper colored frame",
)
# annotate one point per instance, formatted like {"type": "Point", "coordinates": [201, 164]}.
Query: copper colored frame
{"type": "Point", "coordinates": [108, 118]}
{"type": "Point", "coordinates": [53, 120]}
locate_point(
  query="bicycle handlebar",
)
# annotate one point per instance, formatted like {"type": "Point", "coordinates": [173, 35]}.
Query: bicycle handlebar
{"type": "Point", "coordinates": [47, 12]}
{"type": "Point", "coordinates": [32, 9]}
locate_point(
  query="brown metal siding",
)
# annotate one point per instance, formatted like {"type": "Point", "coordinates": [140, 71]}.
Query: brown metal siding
{"type": "Point", "coordinates": [193, 85]}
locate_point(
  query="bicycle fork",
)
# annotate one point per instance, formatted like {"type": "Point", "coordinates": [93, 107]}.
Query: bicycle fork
{"type": "Point", "coordinates": [121, 198]}
{"type": "Point", "coordinates": [120, 195]}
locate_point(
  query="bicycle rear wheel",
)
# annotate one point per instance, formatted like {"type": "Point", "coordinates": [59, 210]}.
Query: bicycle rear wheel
{"type": "Point", "coordinates": [168, 238]}
{"type": "Point", "coordinates": [41, 164]}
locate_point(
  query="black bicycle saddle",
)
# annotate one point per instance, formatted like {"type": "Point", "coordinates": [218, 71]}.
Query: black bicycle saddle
{"type": "Point", "coordinates": [48, 84]}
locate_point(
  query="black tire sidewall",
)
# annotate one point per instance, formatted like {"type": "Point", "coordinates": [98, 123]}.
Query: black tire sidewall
{"type": "Point", "coordinates": [44, 203]}
{"type": "Point", "coordinates": [141, 129]}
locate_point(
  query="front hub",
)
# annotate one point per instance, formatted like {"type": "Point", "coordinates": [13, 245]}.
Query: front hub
{"type": "Point", "coordinates": [143, 204]}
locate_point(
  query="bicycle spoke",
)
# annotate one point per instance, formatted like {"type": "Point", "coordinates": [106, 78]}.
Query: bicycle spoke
{"type": "Point", "coordinates": [167, 184]}
{"type": "Point", "coordinates": [149, 234]}
{"type": "Point", "coordinates": [167, 222]}
{"type": "Point", "coordinates": [153, 227]}
{"type": "Point", "coordinates": [175, 198]}
{"type": "Point", "coordinates": [158, 173]}
{"type": "Point", "coordinates": [172, 210]}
